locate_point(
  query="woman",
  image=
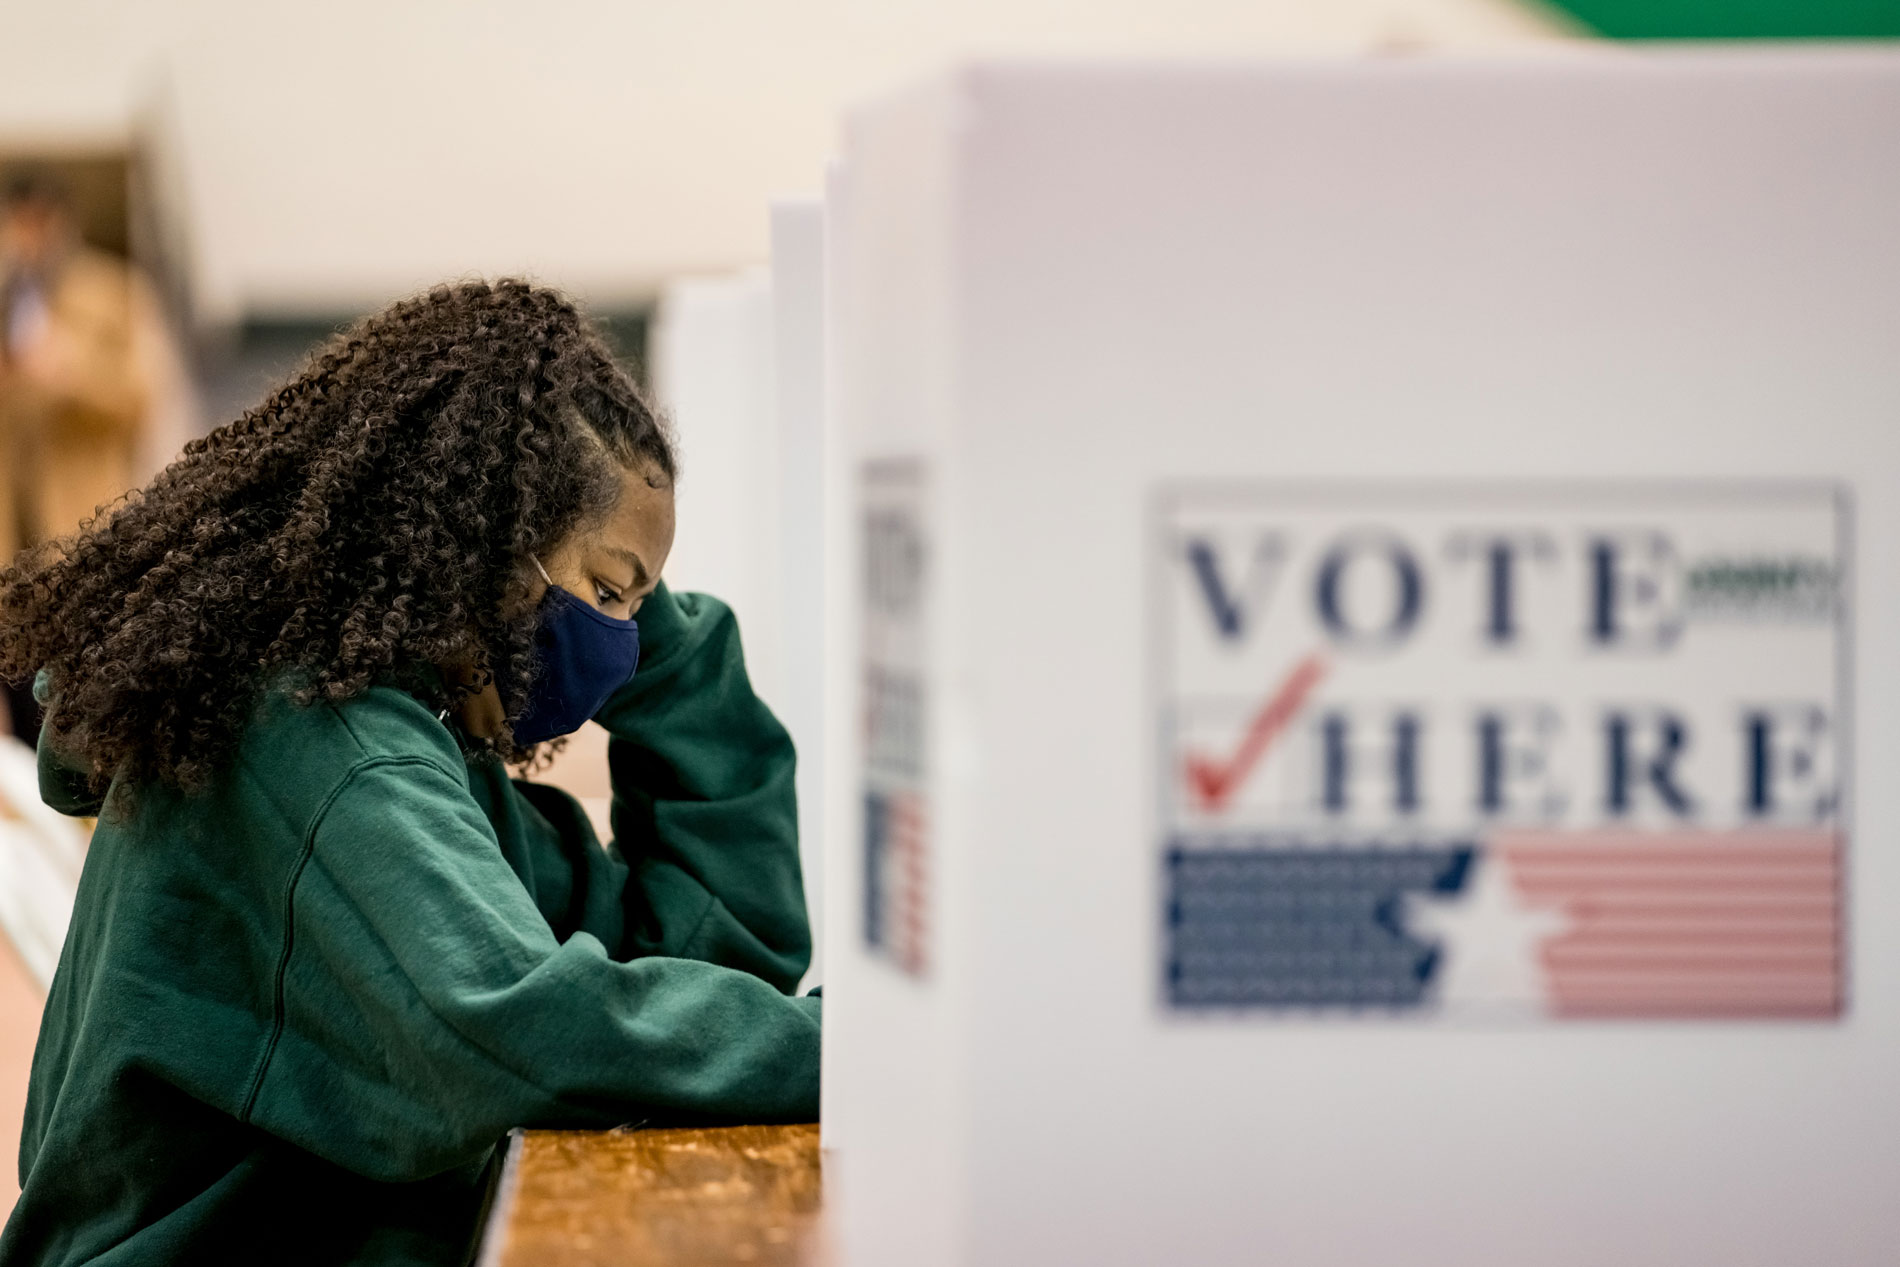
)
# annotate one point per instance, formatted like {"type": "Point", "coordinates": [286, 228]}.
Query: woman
{"type": "Point", "coordinates": [325, 953]}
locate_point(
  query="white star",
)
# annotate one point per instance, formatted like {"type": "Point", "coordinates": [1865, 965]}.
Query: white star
{"type": "Point", "coordinates": [1488, 942]}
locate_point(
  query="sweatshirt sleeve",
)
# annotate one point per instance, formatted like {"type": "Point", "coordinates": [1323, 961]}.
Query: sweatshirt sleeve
{"type": "Point", "coordinates": [423, 1006]}
{"type": "Point", "coordinates": [704, 811]}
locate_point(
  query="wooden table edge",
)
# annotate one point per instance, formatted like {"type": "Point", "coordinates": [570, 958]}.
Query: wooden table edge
{"type": "Point", "coordinates": [494, 1226]}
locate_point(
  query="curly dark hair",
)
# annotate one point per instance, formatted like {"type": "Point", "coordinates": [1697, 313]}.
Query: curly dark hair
{"type": "Point", "coordinates": [369, 522]}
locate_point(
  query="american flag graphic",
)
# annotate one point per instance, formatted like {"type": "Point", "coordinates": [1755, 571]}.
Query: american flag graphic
{"type": "Point", "coordinates": [910, 877]}
{"type": "Point", "coordinates": [896, 718]}
{"type": "Point", "coordinates": [1720, 924]}
{"type": "Point", "coordinates": [897, 920]}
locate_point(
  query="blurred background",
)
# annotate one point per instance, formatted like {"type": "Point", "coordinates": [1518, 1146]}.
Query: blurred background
{"type": "Point", "coordinates": [198, 191]}
{"type": "Point", "coordinates": [272, 171]}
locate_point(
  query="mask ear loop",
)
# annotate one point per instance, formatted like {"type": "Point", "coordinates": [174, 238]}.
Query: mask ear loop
{"type": "Point", "coordinates": [543, 571]}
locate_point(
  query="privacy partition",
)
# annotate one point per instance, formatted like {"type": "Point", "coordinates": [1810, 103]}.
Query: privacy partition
{"type": "Point", "coordinates": [1363, 705]}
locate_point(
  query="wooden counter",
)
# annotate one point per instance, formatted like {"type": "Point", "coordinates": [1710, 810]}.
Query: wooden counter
{"type": "Point", "coordinates": [658, 1198]}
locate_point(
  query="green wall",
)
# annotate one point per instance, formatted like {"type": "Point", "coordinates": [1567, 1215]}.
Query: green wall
{"type": "Point", "coordinates": [1737, 19]}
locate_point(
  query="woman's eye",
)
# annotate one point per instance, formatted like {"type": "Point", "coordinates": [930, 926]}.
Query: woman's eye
{"type": "Point", "coordinates": [605, 596]}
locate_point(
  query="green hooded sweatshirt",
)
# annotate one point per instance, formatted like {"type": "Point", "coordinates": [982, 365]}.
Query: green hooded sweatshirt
{"type": "Point", "coordinates": [297, 1010]}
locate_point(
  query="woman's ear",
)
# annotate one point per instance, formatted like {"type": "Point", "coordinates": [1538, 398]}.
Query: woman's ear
{"type": "Point", "coordinates": [482, 714]}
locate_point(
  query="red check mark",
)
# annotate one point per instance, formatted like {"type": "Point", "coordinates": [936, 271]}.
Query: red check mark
{"type": "Point", "coordinates": [1213, 782]}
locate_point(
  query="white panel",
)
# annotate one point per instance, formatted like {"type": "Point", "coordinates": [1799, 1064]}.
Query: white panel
{"type": "Point", "coordinates": [1677, 267]}
{"type": "Point", "coordinates": [712, 372]}
{"type": "Point", "coordinates": [41, 853]}
{"type": "Point", "coordinates": [896, 1037]}
{"type": "Point", "coordinates": [804, 576]}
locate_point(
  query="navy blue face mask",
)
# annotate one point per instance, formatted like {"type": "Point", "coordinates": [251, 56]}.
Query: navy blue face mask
{"type": "Point", "coordinates": [582, 655]}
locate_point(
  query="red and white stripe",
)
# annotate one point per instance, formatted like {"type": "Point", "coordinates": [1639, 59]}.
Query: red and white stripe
{"type": "Point", "coordinates": [1686, 924]}
{"type": "Point", "coordinates": [910, 878]}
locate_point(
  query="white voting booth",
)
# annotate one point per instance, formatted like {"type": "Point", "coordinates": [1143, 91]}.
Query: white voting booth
{"type": "Point", "coordinates": [738, 367]}
{"type": "Point", "coordinates": [712, 374]}
{"type": "Point", "coordinates": [805, 570]}
{"type": "Point", "coordinates": [1366, 690]}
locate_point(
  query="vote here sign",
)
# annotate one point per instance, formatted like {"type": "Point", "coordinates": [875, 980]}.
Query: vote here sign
{"type": "Point", "coordinates": [1503, 751]}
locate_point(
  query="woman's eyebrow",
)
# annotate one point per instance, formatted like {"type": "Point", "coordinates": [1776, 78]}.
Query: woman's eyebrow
{"type": "Point", "coordinates": [633, 560]}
